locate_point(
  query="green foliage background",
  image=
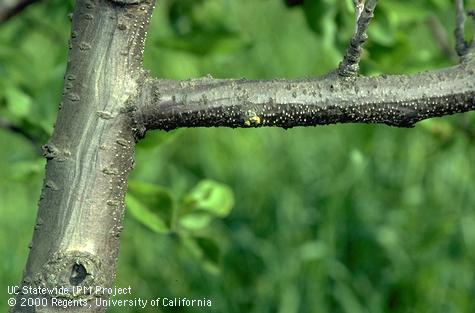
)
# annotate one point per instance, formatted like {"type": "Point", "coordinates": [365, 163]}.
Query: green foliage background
{"type": "Point", "coordinates": [344, 218]}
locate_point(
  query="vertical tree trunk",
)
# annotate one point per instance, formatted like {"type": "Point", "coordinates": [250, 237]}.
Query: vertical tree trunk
{"type": "Point", "coordinates": [89, 156]}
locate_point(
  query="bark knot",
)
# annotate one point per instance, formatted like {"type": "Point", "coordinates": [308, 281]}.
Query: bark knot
{"type": "Point", "coordinates": [71, 275]}
{"type": "Point", "coordinates": [52, 152]}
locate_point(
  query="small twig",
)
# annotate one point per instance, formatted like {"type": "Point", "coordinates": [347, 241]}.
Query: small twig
{"type": "Point", "coordinates": [460, 43]}
{"type": "Point", "coordinates": [440, 35]}
{"type": "Point", "coordinates": [12, 8]}
{"type": "Point", "coordinates": [471, 13]}
{"type": "Point", "coordinates": [364, 13]}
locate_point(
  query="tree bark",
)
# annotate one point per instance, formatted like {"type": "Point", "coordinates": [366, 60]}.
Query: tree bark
{"type": "Point", "coordinates": [89, 156]}
{"type": "Point", "coordinates": [398, 100]}
{"type": "Point", "coordinates": [109, 102]}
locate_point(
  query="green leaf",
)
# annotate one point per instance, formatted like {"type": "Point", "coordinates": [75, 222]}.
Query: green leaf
{"type": "Point", "coordinates": [151, 205]}
{"type": "Point", "coordinates": [18, 102]}
{"type": "Point", "coordinates": [211, 252]}
{"type": "Point", "coordinates": [209, 196]}
{"type": "Point", "coordinates": [195, 221]}
{"type": "Point", "coordinates": [318, 13]}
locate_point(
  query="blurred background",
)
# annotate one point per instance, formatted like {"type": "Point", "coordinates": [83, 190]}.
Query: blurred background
{"type": "Point", "coordinates": [343, 218]}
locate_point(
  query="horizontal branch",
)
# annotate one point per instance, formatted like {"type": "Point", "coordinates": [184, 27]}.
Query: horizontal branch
{"type": "Point", "coordinates": [398, 100]}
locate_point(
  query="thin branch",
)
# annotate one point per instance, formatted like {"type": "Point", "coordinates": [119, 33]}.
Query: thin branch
{"type": "Point", "coordinates": [364, 13]}
{"type": "Point", "coordinates": [11, 8]}
{"type": "Point", "coordinates": [440, 35]}
{"type": "Point", "coordinates": [460, 43]}
{"type": "Point", "coordinates": [393, 100]}
{"type": "Point", "coordinates": [471, 13]}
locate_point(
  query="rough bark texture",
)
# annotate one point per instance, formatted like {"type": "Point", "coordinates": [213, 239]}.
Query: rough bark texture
{"type": "Point", "coordinates": [89, 155]}
{"type": "Point", "coordinates": [398, 100]}
{"type": "Point", "coordinates": [109, 102]}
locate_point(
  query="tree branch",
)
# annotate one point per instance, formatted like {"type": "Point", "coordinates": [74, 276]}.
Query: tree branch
{"type": "Point", "coordinates": [462, 47]}
{"type": "Point", "coordinates": [364, 13]}
{"type": "Point", "coordinates": [89, 155]}
{"type": "Point", "coordinates": [393, 100]}
{"type": "Point", "coordinates": [440, 36]}
{"type": "Point", "coordinates": [359, 6]}
{"type": "Point", "coordinates": [471, 13]}
{"type": "Point", "coordinates": [10, 8]}
{"type": "Point", "coordinates": [460, 44]}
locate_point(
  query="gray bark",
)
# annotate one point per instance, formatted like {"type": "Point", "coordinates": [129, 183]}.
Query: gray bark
{"type": "Point", "coordinates": [109, 102]}
{"type": "Point", "coordinates": [89, 155]}
{"type": "Point", "coordinates": [398, 100]}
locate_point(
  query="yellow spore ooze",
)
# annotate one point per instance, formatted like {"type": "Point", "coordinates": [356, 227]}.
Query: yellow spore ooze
{"type": "Point", "coordinates": [252, 119]}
